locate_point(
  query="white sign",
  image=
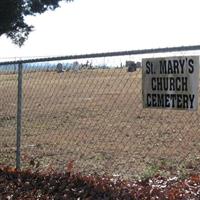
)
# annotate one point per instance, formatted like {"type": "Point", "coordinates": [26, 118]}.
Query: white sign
{"type": "Point", "coordinates": [170, 82]}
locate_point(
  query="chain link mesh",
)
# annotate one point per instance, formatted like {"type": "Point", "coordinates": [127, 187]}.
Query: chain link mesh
{"type": "Point", "coordinates": [91, 114]}
{"type": "Point", "coordinates": [8, 107]}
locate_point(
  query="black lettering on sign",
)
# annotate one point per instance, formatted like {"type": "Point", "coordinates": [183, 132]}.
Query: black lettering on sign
{"type": "Point", "coordinates": [173, 98]}
{"type": "Point", "coordinates": [149, 68]}
{"type": "Point", "coordinates": [176, 66]}
{"type": "Point", "coordinates": [160, 100]}
{"type": "Point", "coordinates": [172, 84]}
{"type": "Point", "coordinates": [179, 100]}
{"type": "Point", "coordinates": [182, 63]}
{"type": "Point", "coordinates": [169, 83]}
{"type": "Point", "coordinates": [149, 100]}
{"type": "Point", "coordinates": [153, 83]}
{"type": "Point", "coordinates": [191, 98]}
{"type": "Point", "coordinates": [178, 84]}
{"type": "Point", "coordinates": [170, 100]}
{"type": "Point", "coordinates": [191, 66]}
{"type": "Point", "coordinates": [167, 101]}
{"type": "Point", "coordinates": [162, 66]}
{"type": "Point", "coordinates": [184, 82]}
{"type": "Point", "coordinates": [170, 69]}
{"type": "Point", "coordinates": [185, 101]}
{"type": "Point", "coordinates": [154, 100]}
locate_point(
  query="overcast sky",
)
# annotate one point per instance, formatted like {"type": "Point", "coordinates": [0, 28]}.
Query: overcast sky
{"type": "Point", "coordinates": [89, 26]}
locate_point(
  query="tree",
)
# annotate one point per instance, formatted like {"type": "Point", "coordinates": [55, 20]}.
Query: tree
{"type": "Point", "coordinates": [13, 13]}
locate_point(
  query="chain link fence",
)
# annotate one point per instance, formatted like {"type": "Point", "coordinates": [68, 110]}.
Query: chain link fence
{"type": "Point", "coordinates": [8, 108]}
{"type": "Point", "coordinates": [88, 112]}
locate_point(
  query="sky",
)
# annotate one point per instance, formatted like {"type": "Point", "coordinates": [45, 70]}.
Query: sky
{"type": "Point", "coordinates": [93, 26]}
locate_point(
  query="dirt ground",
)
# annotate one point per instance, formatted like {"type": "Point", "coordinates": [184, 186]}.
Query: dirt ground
{"type": "Point", "coordinates": [95, 120]}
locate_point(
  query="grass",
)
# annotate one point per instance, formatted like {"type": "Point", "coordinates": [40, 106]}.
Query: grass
{"type": "Point", "coordinates": [95, 117]}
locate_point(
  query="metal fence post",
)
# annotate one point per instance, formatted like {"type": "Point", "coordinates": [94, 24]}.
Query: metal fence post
{"type": "Point", "coordinates": [19, 116]}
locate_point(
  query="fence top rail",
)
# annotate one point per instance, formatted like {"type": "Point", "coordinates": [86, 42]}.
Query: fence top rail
{"type": "Point", "coordinates": [107, 54]}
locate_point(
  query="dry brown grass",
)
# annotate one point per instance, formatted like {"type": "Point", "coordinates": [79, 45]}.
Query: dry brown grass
{"type": "Point", "coordinates": [95, 117]}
